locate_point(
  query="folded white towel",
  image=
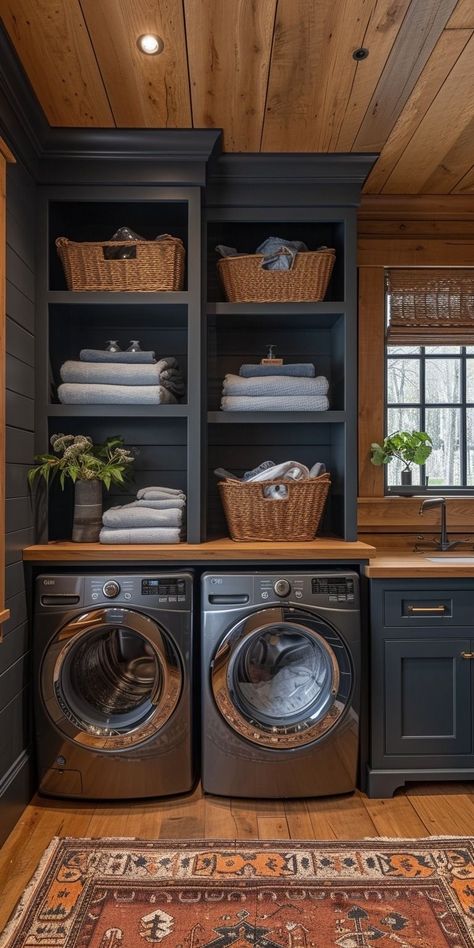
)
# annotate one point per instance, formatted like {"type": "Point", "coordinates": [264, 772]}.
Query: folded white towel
{"type": "Point", "coordinates": [274, 403]}
{"type": "Point", "coordinates": [274, 385]}
{"type": "Point", "coordinates": [70, 393]}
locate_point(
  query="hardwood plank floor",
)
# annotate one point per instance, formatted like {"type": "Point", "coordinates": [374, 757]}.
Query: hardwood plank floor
{"type": "Point", "coordinates": [424, 810]}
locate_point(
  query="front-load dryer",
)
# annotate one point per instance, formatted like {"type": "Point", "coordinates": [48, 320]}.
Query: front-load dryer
{"type": "Point", "coordinates": [113, 685]}
{"type": "Point", "coordinates": [280, 683]}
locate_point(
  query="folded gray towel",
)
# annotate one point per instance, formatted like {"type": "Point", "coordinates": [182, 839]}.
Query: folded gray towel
{"type": "Point", "coordinates": [275, 403]}
{"type": "Point", "coordinates": [140, 535]}
{"type": "Point", "coordinates": [170, 503]}
{"type": "Point", "coordinates": [159, 493]}
{"type": "Point", "coordinates": [274, 385]}
{"type": "Point", "coordinates": [103, 355]}
{"type": "Point", "coordinates": [131, 516]}
{"type": "Point", "coordinates": [71, 393]}
{"type": "Point", "coordinates": [301, 369]}
{"type": "Point", "coordinates": [110, 373]}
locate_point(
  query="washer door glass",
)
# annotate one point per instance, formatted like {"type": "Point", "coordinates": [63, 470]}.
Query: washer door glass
{"type": "Point", "coordinates": [116, 678]}
{"type": "Point", "coordinates": [282, 678]}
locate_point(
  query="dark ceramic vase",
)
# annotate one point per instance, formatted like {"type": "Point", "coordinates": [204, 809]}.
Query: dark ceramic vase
{"type": "Point", "coordinates": [405, 477]}
{"type": "Point", "coordinates": [87, 511]}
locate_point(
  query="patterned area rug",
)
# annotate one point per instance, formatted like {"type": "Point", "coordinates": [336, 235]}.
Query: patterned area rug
{"type": "Point", "coordinates": [114, 893]}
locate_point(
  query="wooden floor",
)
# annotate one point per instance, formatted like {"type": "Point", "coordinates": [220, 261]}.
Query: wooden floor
{"type": "Point", "coordinates": [426, 810]}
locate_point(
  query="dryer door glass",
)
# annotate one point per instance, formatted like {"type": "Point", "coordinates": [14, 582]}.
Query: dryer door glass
{"type": "Point", "coordinates": [117, 678]}
{"type": "Point", "coordinates": [282, 678]}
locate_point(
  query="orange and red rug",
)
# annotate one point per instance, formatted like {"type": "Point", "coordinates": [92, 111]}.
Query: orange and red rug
{"type": "Point", "coordinates": [125, 893]}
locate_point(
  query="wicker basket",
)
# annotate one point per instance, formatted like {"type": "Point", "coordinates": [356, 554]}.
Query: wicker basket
{"type": "Point", "coordinates": [158, 265]}
{"type": "Point", "coordinates": [252, 516]}
{"type": "Point", "coordinates": [245, 281]}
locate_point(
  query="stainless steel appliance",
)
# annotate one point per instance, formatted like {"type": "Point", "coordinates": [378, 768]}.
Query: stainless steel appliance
{"type": "Point", "coordinates": [280, 676]}
{"type": "Point", "coordinates": [113, 660]}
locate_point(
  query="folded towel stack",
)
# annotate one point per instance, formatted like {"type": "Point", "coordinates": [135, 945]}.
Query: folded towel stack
{"type": "Point", "coordinates": [275, 388]}
{"type": "Point", "coordinates": [109, 378]}
{"type": "Point", "coordinates": [156, 516]}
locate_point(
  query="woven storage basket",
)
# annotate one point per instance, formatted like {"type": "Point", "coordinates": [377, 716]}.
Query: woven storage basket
{"type": "Point", "coordinates": [158, 265]}
{"type": "Point", "coordinates": [252, 516]}
{"type": "Point", "coordinates": [245, 281]}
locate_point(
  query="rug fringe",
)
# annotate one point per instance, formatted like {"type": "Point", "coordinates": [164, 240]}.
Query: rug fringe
{"type": "Point", "coordinates": [19, 909]}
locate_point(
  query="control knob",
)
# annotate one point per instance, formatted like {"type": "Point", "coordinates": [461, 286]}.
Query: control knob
{"type": "Point", "coordinates": [282, 587]}
{"type": "Point", "coordinates": [111, 588]}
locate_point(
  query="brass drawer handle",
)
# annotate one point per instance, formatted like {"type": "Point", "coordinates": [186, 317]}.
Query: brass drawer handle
{"type": "Point", "coordinates": [426, 608]}
{"type": "Point", "coordinates": [467, 654]}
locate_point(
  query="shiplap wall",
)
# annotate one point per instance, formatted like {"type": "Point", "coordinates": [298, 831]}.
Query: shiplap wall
{"type": "Point", "coordinates": [15, 655]}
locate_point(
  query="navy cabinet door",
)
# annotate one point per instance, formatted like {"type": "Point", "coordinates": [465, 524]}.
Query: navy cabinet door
{"type": "Point", "coordinates": [428, 700]}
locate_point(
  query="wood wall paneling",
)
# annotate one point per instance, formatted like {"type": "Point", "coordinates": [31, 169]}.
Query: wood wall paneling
{"type": "Point", "coordinates": [437, 69]}
{"type": "Point", "coordinates": [371, 379]}
{"type": "Point", "coordinates": [5, 156]}
{"type": "Point", "coordinates": [448, 118]}
{"type": "Point", "coordinates": [466, 184]}
{"type": "Point", "coordinates": [415, 42]}
{"type": "Point", "coordinates": [229, 50]}
{"type": "Point", "coordinates": [54, 47]}
{"type": "Point", "coordinates": [143, 91]}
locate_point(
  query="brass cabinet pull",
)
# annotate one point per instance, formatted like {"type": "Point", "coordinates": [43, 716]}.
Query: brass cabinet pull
{"type": "Point", "coordinates": [467, 654]}
{"type": "Point", "coordinates": [426, 608]}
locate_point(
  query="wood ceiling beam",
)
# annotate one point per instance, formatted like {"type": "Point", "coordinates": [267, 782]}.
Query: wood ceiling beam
{"type": "Point", "coordinates": [229, 50]}
{"type": "Point", "coordinates": [417, 37]}
{"type": "Point", "coordinates": [144, 91]}
{"type": "Point", "coordinates": [463, 16]}
{"type": "Point", "coordinates": [54, 47]}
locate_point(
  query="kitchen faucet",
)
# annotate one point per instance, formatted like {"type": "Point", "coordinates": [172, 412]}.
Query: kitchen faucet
{"type": "Point", "coordinates": [443, 543]}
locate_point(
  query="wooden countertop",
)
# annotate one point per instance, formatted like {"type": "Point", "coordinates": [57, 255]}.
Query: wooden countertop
{"type": "Point", "coordinates": [213, 551]}
{"type": "Point", "coordinates": [410, 565]}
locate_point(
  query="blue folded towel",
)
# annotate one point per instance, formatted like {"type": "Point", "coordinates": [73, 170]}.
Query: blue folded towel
{"type": "Point", "coordinates": [103, 355]}
{"type": "Point", "coordinates": [301, 369]}
{"type": "Point", "coordinates": [274, 385]}
{"type": "Point", "coordinates": [140, 535]}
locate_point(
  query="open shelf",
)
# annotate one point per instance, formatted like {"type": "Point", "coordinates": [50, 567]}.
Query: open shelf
{"type": "Point", "coordinates": [109, 298]}
{"type": "Point", "coordinates": [274, 417]}
{"type": "Point", "coordinates": [323, 308]}
{"type": "Point", "coordinates": [117, 411]}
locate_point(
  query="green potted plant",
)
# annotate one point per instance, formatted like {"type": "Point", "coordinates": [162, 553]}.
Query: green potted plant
{"type": "Point", "coordinates": [409, 447]}
{"type": "Point", "coordinates": [89, 466]}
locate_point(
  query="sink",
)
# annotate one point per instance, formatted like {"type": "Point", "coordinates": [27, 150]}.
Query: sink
{"type": "Point", "coordinates": [454, 560]}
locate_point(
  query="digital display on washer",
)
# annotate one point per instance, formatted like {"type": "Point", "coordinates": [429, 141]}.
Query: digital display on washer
{"type": "Point", "coordinates": [161, 586]}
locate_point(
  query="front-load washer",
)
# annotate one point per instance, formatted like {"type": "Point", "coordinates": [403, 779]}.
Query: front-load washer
{"type": "Point", "coordinates": [280, 683]}
{"type": "Point", "coordinates": [113, 661]}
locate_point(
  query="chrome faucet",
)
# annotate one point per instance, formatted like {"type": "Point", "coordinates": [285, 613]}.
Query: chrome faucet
{"type": "Point", "coordinates": [443, 543]}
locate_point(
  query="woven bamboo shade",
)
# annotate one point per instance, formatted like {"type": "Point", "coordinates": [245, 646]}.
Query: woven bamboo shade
{"type": "Point", "coordinates": [431, 306]}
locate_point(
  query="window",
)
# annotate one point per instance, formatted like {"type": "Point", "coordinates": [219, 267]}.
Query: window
{"type": "Point", "coordinates": [431, 388]}
{"type": "Point", "coordinates": [430, 370]}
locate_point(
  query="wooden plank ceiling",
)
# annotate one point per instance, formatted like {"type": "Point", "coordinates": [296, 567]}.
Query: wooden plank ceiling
{"type": "Point", "coordinates": [275, 75]}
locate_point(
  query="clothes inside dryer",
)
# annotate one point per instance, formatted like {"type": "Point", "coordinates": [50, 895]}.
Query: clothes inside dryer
{"type": "Point", "coordinates": [282, 674]}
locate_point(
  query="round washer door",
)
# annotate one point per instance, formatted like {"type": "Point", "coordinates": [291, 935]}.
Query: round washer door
{"type": "Point", "coordinates": [282, 677]}
{"type": "Point", "coordinates": [111, 679]}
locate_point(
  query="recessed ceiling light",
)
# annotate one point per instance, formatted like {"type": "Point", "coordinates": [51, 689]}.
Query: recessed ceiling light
{"type": "Point", "coordinates": [150, 43]}
{"type": "Point", "coordinates": [360, 53]}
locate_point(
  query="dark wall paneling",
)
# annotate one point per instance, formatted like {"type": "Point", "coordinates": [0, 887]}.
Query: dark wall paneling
{"type": "Point", "coordinates": [15, 654]}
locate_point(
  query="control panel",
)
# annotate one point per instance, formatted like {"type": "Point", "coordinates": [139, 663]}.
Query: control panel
{"type": "Point", "coordinates": [334, 590]}
{"type": "Point", "coordinates": [149, 590]}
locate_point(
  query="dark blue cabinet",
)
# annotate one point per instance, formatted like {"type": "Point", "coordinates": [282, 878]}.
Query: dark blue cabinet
{"type": "Point", "coordinates": [422, 683]}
